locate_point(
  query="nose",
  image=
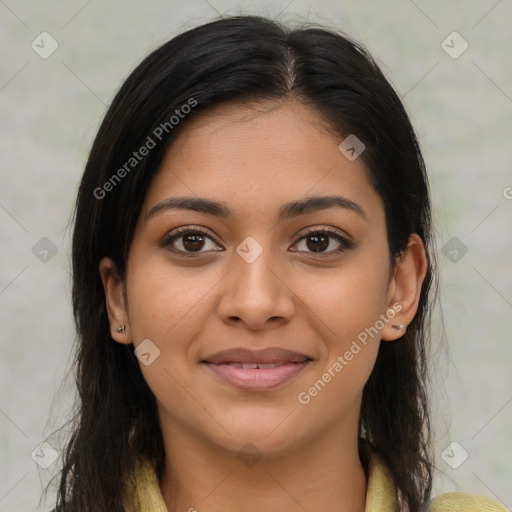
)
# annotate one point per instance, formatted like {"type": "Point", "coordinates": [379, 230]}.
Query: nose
{"type": "Point", "coordinates": [256, 291]}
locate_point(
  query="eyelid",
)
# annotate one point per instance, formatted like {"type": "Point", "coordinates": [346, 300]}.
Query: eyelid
{"type": "Point", "coordinates": [329, 229]}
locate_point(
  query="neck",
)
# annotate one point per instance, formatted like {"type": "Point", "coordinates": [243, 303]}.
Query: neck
{"type": "Point", "coordinates": [323, 474]}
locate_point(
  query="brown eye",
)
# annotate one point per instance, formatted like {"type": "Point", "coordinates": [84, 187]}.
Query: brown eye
{"type": "Point", "coordinates": [187, 241]}
{"type": "Point", "coordinates": [193, 241]}
{"type": "Point", "coordinates": [317, 241]}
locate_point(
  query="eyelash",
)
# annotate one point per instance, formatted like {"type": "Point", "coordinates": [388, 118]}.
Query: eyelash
{"type": "Point", "coordinates": [185, 230]}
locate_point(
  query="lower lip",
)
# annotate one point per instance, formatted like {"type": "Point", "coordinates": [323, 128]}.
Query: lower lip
{"type": "Point", "coordinates": [257, 379]}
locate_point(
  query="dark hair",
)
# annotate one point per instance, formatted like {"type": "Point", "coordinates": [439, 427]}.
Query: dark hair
{"type": "Point", "coordinates": [246, 59]}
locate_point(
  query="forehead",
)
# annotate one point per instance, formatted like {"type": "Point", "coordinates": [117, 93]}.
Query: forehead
{"type": "Point", "coordinates": [257, 157]}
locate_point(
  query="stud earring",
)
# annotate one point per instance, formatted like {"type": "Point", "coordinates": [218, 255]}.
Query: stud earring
{"type": "Point", "coordinates": [398, 327]}
{"type": "Point", "coordinates": [121, 329]}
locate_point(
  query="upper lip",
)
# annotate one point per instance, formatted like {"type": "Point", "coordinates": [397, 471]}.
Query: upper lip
{"type": "Point", "coordinates": [265, 356]}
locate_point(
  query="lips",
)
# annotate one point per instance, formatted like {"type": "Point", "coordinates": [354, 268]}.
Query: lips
{"type": "Point", "coordinates": [271, 355]}
{"type": "Point", "coordinates": [256, 370]}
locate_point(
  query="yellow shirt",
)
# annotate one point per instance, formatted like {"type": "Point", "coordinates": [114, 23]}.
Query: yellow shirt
{"type": "Point", "coordinates": [142, 493]}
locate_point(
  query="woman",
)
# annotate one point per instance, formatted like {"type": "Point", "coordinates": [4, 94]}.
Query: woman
{"type": "Point", "coordinates": [253, 281]}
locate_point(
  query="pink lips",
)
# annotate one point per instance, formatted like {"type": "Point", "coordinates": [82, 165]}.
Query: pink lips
{"type": "Point", "coordinates": [264, 369]}
{"type": "Point", "coordinates": [257, 379]}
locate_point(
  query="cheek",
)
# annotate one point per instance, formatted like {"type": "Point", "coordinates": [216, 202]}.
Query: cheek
{"type": "Point", "coordinates": [347, 300]}
{"type": "Point", "coordinates": [167, 305]}
{"type": "Point", "coordinates": [162, 298]}
{"type": "Point", "coordinates": [346, 307]}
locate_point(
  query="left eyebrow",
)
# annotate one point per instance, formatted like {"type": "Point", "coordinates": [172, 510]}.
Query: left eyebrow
{"type": "Point", "coordinates": [288, 210]}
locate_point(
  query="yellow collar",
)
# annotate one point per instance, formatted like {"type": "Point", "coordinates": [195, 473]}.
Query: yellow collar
{"type": "Point", "coordinates": [142, 491]}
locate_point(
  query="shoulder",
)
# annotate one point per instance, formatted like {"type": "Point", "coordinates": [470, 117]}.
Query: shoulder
{"type": "Point", "coordinates": [464, 502]}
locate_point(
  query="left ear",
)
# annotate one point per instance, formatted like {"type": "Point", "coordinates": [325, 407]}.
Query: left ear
{"type": "Point", "coordinates": [405, 287]}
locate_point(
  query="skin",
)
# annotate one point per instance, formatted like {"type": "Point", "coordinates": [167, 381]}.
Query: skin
{"type": "Point", "coordinates": [254, 161]}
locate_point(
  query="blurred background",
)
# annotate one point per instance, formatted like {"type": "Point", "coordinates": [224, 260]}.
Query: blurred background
{"type": "Point", "coordinates": [61, 64]}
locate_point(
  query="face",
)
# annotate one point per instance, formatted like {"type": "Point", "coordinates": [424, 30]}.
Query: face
{"type": "Point", "coordinates": [316, 281]}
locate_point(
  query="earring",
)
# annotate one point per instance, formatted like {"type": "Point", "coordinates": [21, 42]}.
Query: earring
{"type": "Point", "coordinates": [398, 327]}
{"type": "Point", "coordinates": [121, 329]}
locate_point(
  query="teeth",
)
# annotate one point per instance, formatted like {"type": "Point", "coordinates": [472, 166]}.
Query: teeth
{"type": "Point", "coordinates": [252, 366]}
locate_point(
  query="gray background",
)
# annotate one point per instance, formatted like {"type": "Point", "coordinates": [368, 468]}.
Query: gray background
{"type": "Point", "coordinates": [461, 107]}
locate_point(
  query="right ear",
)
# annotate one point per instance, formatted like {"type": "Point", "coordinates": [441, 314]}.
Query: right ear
{"type": "Point", "coordinates": [114, 296]}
